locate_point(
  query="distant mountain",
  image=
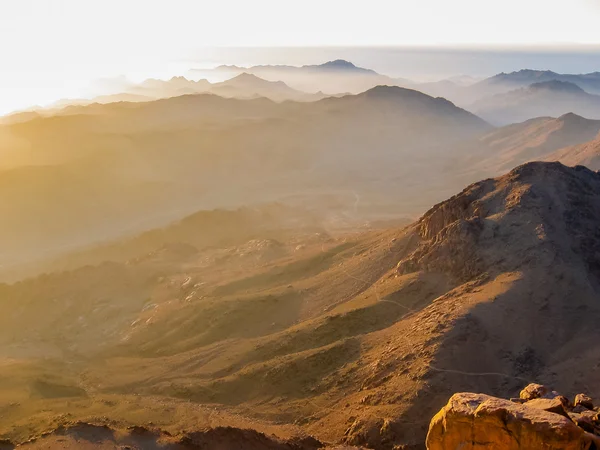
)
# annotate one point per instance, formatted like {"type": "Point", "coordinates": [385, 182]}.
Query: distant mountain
{"type": "Point", "coordinates": [464, 80]}
{"type": "Point", "coordinates": [170, 88]}
{"type": "Point", "coordinates": [586, 154]}
{"type": "Point", "coordinates": [332, 77]}
{"type": "Point", "coordinates": [589, 82]}
{"type": "Point", "coordinates": [535, 139]}
{"type": "Point", "coordinates": [242, 86]}
{"type": "Point", "coordinates": [131, 166]}
{"type": "Point", "coordinates": [338, 65]}
{"type": "Point", "coordinates": [247, 85]}
{"type": "Point", "coordinates": [465, 91]}
{"type": "Point", "coordinates": [416, 106]}
{"type": "Point", "coordinates": [553, 98]}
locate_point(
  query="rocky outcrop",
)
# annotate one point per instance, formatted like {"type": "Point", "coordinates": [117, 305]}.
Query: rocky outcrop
{"type": "Point", "coordinates": [539, 419]}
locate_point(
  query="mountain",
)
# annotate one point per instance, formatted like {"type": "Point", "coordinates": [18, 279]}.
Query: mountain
{"type": "Point", "coordinates": [242, 86]}
{"type": "Point", "coordinates": [333, 77]}
{"type": "Point", "coordinates": [157, 88]}
{"type": "Point", "coordinates": [586, 154]}
{"type": "Point", "coordinates": [465, 94]}
{"type": "Point", "coordinates": [522, 248]}
{"type": "Point", "coordinates": [535, 139]}
{"type": "Point", "coordinates": [247, 85]}
{"type": "Point", "coordinates": [338, 65]}
{"type": "Point", "coordinates": [589, 82]}
{"type": "Point", "coordinates": [355, 338]}
{"type": "Point", "coordinates": [135, 166]}
{"type": "Point", "coordinates": [553, 98]}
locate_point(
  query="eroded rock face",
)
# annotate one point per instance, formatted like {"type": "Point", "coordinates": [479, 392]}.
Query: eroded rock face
{"type": "Point", "coordinates": [479, 421]}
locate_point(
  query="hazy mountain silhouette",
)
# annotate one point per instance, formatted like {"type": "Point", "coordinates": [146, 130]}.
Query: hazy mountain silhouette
{"type": "Point", "coordinates": [552, 98]}
{"type": "Point", "coordinates": [589, 82]}
{"type": "Point", "coordinates": [243, 86]}
{"type": "Point", "coordinates": [161, 159]}
{"type": "Point", "coordinates": [535, 139]}
{"type": "Point", "coordinates": [465, 94]}
{"type": "Point", "coordinates": [170, 88]}
{"type": "Point", "coordinates": [333, 77]}
{"type": "Point", "coordinates": [247, 85]}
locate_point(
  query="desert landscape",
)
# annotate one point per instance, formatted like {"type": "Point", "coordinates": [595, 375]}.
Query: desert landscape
{"type": "Point", "coordinates": [260, 248]}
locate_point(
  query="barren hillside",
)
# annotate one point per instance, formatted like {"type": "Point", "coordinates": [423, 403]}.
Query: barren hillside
{"type": "Point", "coordinates": [356, 339]}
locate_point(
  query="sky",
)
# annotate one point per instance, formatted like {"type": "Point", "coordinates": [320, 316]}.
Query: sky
{"type": "Point", "coordinates": [55, 48]}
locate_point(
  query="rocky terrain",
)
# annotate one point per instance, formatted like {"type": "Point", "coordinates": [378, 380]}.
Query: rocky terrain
{"type": "Point", "coordinates": [538, 418]}
{"type": "Point", "coordinates": [356, 338]}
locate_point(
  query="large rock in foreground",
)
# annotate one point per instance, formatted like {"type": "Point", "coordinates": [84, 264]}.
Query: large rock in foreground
{"type": "Point", "coordinates": [478, 421]}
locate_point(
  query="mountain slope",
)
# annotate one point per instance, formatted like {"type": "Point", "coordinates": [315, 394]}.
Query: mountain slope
{"type": "Point", "coordinates": [535, 139]}
{"type": "Point", "coordinates": [548, 98]}
{"type": "Point", "coordinates": [525, 245]}
{"type": "Point", "coordinates": [586, 154]}
{"type": "Point", "coordinates": [357, 339]}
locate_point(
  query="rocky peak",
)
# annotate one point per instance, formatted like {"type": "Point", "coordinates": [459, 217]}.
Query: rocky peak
{"type": "Point", "coordinates": [536, 212]}
{"type": "Point", "coordinates": [340, 64]}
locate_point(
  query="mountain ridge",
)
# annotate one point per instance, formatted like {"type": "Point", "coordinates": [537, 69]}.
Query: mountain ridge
{"type": "Point", "coordinates": [548, 98]}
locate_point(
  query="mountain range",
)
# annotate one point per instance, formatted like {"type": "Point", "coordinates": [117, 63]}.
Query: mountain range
{"type": "Point", "coordinates": [166, 158]}
{"type": "Point", "coordinates": [101, 171]}
{"type": "Point", "coordinates": [550, 98]}
{"type": "Point", "coordinates": [333, 77]}
{"type": "Point", "coordinates": [339, 76]}
{"type": "Point", "coordinates": [242, 86]}
{"type": "Point", "coordinates": [589, 82]}
{"type": "Point", "coordinates": [535, 139]}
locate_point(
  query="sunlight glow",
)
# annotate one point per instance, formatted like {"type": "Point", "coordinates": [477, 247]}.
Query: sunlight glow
{"type": "Point", "coordinates": [53, 49]}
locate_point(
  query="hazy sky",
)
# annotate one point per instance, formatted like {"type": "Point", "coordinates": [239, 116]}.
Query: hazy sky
{"type": "Point", "coordinates": [58, 46]}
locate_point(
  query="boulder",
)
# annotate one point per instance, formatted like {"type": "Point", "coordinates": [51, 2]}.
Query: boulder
{"type": "Point", "coordinates": [479, 421]}
{"type": "Point", "coordinates": [583, 400]}
{"type": "Point", "coordinates": [533, 391]}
